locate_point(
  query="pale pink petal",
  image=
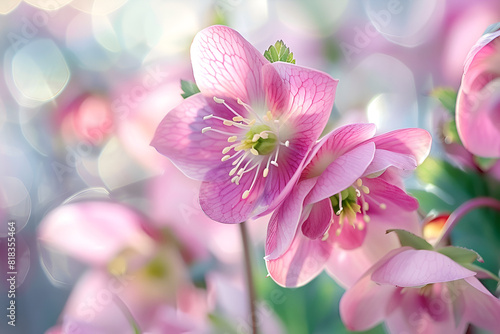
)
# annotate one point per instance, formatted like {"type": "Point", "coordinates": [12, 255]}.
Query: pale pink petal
{"type": "Point", "coordinates": [384, 159]}
{"type": "Point", "coordinates": [336, 143]}
{"type": "Point", "coordinates": [225, 65]}
{"type": "Point", "coordinates": [179, 136]}
{"type": "Point", "coordinates": [364, 305]}
{"type": "Point", "coordinates": [342, 172]}
{"type": "Point", "coordinates": [414, 268]}
{"type": "Point", "coordinates": [346, 267]}
{"type": "Point", "coordinates": [349, 237]}
{"type": "Point", "coordinates": [284, 221]}
{"type": "Point", "coordinates": [319, 220]}
{"type": "Point", "coordinates": [304, 260]}
{"type": "Point", "coordinates": [414, 142]}
{"type": "Point", "coordinates": [477, 102]}
{"type": "Point", "coordinates": [481, 307]}
{"type": "Point", "coordinates": [412, 312]}
{"type": "Point", "coordinates": [93, 232]}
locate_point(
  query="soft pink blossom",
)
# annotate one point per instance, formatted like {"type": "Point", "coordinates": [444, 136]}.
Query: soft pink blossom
{"type": "Point", "coordinates": [419, 291]}
{"type": "Point", "coordinates": [352, 181]}
{"type": "Point", "coordinates": [477, 113]}
{"type": "Point", "coordinates": [246, 135]}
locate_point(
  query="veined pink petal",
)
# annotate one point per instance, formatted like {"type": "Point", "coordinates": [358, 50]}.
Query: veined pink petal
{"type": "Point", "coordinates": [319, 220]}
{"type": "Point", "coordinates": [179, 137]}
{"type": "Point", "coordinates": [222, 200]}
{"type": "Point", "coordinates": [364, 305]}
{"type": "Point", "coordinates": [342, 172]}
{"type": "Point", "coordinates": [414, 268]}
{"type": "Point", "coordinates": [284, 221]}
{"type": "Point", "coordinates": [384, 159]}
{"type": "Point", "coordinates": [306, 102]}
{"type": "Point", "coordinates": [225, 65]}
{"type": "Point", "coordinates": [336, 143]}
{"type": "Point", "coordinates": [394, 198]}
{"type": "Point", "coordinates": [413, 142]}
{"type": "Point", "coordinates": [93, 232]}
{"type": "Point", "coordinates": [481, 308]}
{"type": "Point", "coordinates": [304, 260]}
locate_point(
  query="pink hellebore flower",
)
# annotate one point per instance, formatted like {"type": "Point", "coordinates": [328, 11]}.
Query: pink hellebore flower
{"type": "Point", "coordinates": [419, 291]}
{"type": "Point", "coordinates": [246, 135]}
{"type": "Point", "coordinates": [136, 272]}
{"type": "Point", "coordinates": [478, 103]}
{"type": "Point", "coordinates": [351, 182]}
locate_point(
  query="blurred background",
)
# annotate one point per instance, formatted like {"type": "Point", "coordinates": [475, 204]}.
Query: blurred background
{"type": "Point", "coordinates": [84, 83]}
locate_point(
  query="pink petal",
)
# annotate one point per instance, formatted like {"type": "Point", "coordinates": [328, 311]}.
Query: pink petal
{"type": "Point", "coordinates": [384, 159]}
{"type": "Point", "coordinates": [346, 267]}
{"type": "Point", "coordinates": [304, 260]}
{"type": "Point", "coordinates": [477, 102]}
{"type": "Point", "coordinates": [342, 172]}
{"type": "Point", "coordinates": [179, 137]}
{"type": "Point", "coordinates": [412, 142]}
{"type": "Point", "coordinates": [319, 219]}
{"type": "Point", "coordinates": [305, 99]}
{"type": "Point", "coordinates": [394, 198]}
{"type": "Point", "coordinates": [222, 201]}
{"type": "Point", "coordinates": [481, 307]}
{"type": "Point", "coordinates": [350, 237]}
{"type": "Point", "coordinates": [335, 144]}
{"type": "Point", "coordinates": [93, 232]}
{"type": "Point", "coordinates": [284, 221]}
{"type": "Point", "coordinates": [225, 65]}
{"type": "Point", "coordinates": [414, 268]}
{"type": "Point", "coordinates": [364, 305]}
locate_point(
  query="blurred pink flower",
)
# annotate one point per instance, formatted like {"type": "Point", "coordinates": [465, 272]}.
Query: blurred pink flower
{"type": "Point", "coordinates": [350, 182]}
{"type": "Point", "coordinates": [419, 291]}
{"type": "Point", "coordinates": [270, 114]}
{"type": "Point", "coordinates": [136, 270]}
{"type": "Point", "coordinates": [477, 114]}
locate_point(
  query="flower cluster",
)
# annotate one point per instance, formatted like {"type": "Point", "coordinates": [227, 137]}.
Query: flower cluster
{"type": "Point", "coordinates": [252, 135]}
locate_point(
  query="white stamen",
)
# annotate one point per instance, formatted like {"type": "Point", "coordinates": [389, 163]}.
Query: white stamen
{"type": "Point", "coordinates": [226, 157]}
{"type": "Point", "coordinates": [287, 143]}
{"type": "Point", "coordinates": [219, 101]}
{"type": "Point", "coordinates": [366, 218]}
{"type": "Point", "coordinates": [339, 211]}
{"type": "Point", "coordinates": [383, 206]}
{"type": "Point", "coordinates": [254, 151]}
{"type": "Point", "coordinates": [255, 137]}
{"type": "Point", "coordinates": [232, 139]}
{"type": "Point", "coordinates": [207, 117]}
{"type": "Point", "coordinates": [206, 129]}
{"type": "Point", "coordinates": [228, 123]}
{"type": "Point", "coordinates": [365, 189]}
{"type": "Point", "coordinates": [245, 194]}
{"type": "Point", "coordinates": [265, 172]}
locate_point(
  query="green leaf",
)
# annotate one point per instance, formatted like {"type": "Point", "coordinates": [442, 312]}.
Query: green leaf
{"type": "Point", "coordinates": [279, 52]}
{"type": "Point", "coordinates": [409, 239]}
{"type": "Point", "coordinates": [481, 270]}
{"type": "Point", "coordinates": [189, 88]}
{"type": "Point", "coordinates": [447, 97]}
{"type": "Point", "coordinates": [460, 255]}
{"type": "Point", "coordinates": [492, 28]}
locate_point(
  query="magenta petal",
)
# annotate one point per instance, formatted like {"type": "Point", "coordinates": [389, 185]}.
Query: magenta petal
{"type": "Point", "coordinates": [481, 307]}
{"type": "Point", "coordinates": [179, 137]}
{"type": "Point", "coordinates": [364, 305]}
{"type": "Point", "coordinates": [319, 219]}
{"type": "Point", "coordinates": [414, 268]}
{"type": "Point", "coordinates": [342, 172]}
{"type": "Point", "coordinates": [384, 159]}
{"type": "Point", "coordinates": [225, 65]}
{"type": "Point", "coordinates": [412, 142]}
{"type": "Point", "coordinates": [93, 232]}
{"type": "Point", "coordinates": [285, 219]}
{"type": "Point", "coordinates": [304, 260]}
